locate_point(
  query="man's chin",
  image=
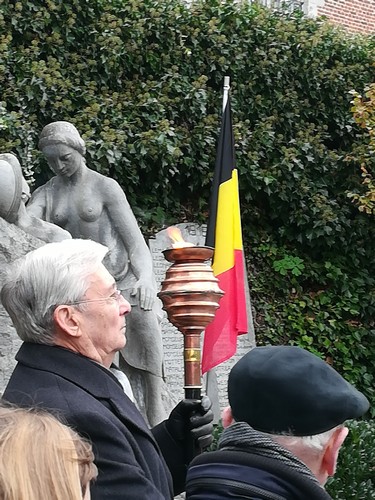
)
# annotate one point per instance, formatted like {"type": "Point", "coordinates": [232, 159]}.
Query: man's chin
{"type": "Point", "coordinates": [123, 342]}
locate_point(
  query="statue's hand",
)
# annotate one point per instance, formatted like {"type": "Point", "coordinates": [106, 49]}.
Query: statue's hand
{"type": "Point", "coordinates": [145, 293]}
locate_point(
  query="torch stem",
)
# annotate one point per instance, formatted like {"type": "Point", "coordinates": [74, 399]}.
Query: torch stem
{"type": "Point", "coordinates": [192, 366]}
{"type": "Point", "coordinates": [193, 393]}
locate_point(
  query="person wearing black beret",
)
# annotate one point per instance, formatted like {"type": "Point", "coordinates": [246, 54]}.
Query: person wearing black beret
{"type": "Point", "coordinates": [283, 429]}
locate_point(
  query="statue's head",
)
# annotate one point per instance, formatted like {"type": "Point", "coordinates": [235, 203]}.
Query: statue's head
{"type": "Point", "coordinates": [13, 161]}
{"type": "Point", "coordinates": [62, 133]}
{"type": "Point", "coordinates": [10, 187]}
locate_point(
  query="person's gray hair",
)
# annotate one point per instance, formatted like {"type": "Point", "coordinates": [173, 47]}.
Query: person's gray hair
{"type": "Point", "coordinates": [52, 275]}
{"type": "Point", "coordinates": [317, 442]}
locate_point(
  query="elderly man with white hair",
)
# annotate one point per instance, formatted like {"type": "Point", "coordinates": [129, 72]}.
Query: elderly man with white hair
{"type": "Point", "coordinates": [67, 309]}
{"type": "Point", "coordinates": [283, 429]}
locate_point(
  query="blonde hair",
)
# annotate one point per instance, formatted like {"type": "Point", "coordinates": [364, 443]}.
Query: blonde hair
{"type": "Point", "coordinates": [42, 459]}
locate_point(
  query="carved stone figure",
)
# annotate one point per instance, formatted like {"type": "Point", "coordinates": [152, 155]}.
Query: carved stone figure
{"type": "Point", "coordinates": [91, 205]}
{"type": "Point", "coordinates": [14, 192]}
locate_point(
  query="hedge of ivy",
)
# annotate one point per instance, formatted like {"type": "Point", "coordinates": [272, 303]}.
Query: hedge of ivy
{"type": "Point", "coordinates": [142, 81]}
{"type": "Point", "coordinates": [355, 474]}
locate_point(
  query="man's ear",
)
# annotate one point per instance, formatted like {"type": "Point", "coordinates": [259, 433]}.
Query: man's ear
{"type": "Point", "coordinates": [227, 417]}
{"type": "Point", "coordinates": [66, 319]}
{"type": "Point", "coordinates": [331, 452]}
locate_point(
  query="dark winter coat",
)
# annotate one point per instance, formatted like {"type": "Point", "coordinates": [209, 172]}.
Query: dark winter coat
{"type": "Point", "coordinates": [252, 466]}
{"type": "Point", "coordinates": [133, 463]}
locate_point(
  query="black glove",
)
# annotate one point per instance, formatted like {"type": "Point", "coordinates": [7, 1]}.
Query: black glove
{"type": "Point", "coordinates": [191, 422]}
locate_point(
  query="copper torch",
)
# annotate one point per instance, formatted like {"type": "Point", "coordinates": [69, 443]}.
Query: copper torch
{"type": "Point", "coordinates": [190, 295]}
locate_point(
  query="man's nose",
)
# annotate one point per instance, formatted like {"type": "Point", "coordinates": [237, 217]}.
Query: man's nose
{"type": "Point", "coordinates": [125, 307]}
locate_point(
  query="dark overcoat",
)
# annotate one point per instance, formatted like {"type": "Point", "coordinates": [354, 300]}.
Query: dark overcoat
{"type": "Point", "coordinates": [133, 462]}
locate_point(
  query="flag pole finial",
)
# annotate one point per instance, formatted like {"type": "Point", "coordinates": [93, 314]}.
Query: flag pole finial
{"type": "Point", "coordinates": [226, 91]}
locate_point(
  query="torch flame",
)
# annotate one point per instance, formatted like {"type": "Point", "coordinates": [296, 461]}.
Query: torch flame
{"type": "Point", "coordinates": [176, 237]}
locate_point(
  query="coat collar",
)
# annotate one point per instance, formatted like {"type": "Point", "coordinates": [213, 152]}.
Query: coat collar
{"type": "Point", "coordinates": [86, 374]}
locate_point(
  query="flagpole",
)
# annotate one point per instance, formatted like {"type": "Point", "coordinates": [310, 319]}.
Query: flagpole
{"type": "Point", "coordinates": [251, 332]}
{"type": "Point", "coordinates": [212, 389]}
{"type": "Point", "coordinates": [226, 91]}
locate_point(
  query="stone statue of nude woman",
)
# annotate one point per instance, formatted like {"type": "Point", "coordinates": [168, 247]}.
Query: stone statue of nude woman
{"type": "Point", "coordinates": [91, 205]}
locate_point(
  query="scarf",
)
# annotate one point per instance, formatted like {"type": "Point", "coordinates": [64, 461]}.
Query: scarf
{"type": "Point", "coordinates": [243, 437]}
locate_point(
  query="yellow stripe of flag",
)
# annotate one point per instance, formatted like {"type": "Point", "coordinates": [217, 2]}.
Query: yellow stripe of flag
{"type": "Point", "coordinates": [228, 236]}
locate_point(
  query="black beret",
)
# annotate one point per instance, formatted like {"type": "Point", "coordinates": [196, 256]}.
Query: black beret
{"type": "Point", "coordinates": [285, 389]}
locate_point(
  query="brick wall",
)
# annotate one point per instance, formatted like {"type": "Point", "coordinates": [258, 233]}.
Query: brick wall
{"type": "Point", "coordinates": [355, 15]}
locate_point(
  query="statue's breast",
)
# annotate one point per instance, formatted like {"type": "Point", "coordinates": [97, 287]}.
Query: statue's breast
{"type": "Point", "coordinates": [89, 211]}
{"type": "Point", "coordinates": [72, 211]}
{"type": "Point", "coordinates": [60, 214]}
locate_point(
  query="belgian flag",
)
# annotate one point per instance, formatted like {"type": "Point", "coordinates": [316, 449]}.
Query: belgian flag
{"type": "Point", "coordinates": [224, 234]}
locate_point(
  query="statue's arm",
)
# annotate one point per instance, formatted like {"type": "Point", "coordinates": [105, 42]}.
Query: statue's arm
{"type": "Point", "coordinates": [123, 219]}
{"type": "Point", "coordinates": [37, 203]}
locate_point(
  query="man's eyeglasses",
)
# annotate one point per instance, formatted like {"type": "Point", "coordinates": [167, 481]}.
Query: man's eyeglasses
{"type": "Point", "coordinates": [114, 297]}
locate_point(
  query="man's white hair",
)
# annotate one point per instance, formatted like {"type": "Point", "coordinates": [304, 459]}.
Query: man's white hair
{"type": "Point", "coordinates": [317, 442]}
{"type": "Point", "coordinates": [52, 275]}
